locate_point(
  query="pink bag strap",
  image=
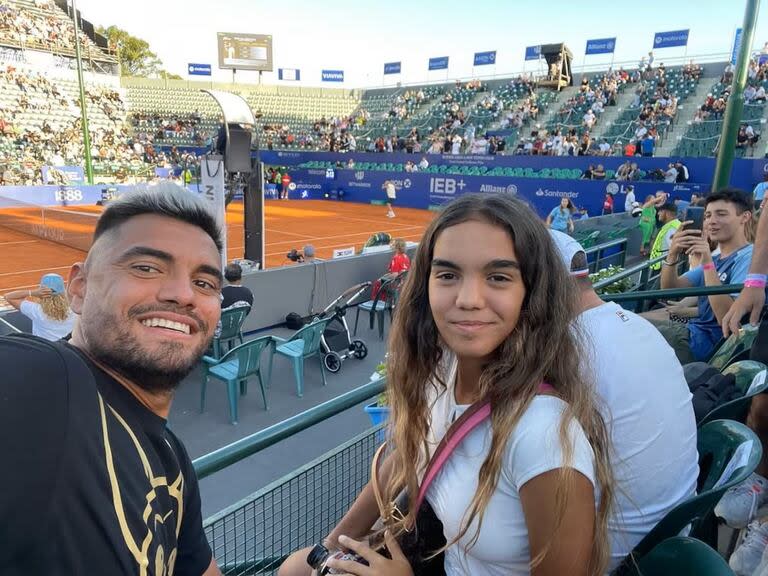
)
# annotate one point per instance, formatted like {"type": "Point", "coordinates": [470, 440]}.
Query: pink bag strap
{"type": "Point", "coordinates": [468, 421]}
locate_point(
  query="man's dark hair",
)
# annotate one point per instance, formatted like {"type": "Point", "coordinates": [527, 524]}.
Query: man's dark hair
{"type": "Point", "coordinates": [233, 272]}
{"type": "Point", "coordinates": [164, 199]}
{"type": "Point", "coordinates": [668, 207]}
{"type": "Point", "coordinates": [739, 198]}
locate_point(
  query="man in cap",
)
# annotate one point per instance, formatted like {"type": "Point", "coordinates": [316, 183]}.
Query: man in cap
{"type": "Point", "coordinates": [647, 406]}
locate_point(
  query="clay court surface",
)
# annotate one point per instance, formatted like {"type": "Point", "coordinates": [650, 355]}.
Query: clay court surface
{"type": "Point", "coordinates": [289, 224]}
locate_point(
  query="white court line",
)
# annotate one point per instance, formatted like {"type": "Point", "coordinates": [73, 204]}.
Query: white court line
{"type": "Point", "coordinates": [11, 326]}
{"type": "Point", "coordinates": [37, 270]}
{"type": "Point", "coordinates": [18, 242]}
{"type": "Point", "coordinates": [322, 238]}
{"type": "Point", "coordinates": [288, 233]}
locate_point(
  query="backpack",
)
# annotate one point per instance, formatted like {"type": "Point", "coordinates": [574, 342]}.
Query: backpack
{"type": "Point", "coordinates": [294, 322]}
{"type": "Point", "coordinates": [709, 387]}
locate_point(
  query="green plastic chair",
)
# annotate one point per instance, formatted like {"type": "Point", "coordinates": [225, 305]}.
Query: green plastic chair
{"type": "Point", "coordinates": [728, 453]}
{"type": "Point", "coordinates": [385, 301]}
{"type": "Point", "coordinates": [304, 344]}
{"type": "Point", "coordinates": [681, 556]}
{"type": "Point", "coordinates": [231, 323]}
{"type": "Point", "coordinates": [750, 381]}
{"type": "Point", "coordinates": [235, 368]}
{"type": "Point", "coordinates": [737, 344]}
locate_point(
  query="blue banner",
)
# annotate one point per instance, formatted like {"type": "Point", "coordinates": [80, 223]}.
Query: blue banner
{"type": "Point", "coordinates": [484, 58]}
{"type": "Point", "coordinates": [438, 63]}
{"type": "Point", "coordinates": [736, 46]}
{"type": "Point", "coordinates": [63, 175]}
{"type": "Point", "coordinates": [333, 75]}
{"type": "Point", "coordinates": [424, 190]}
{"type": "Point", "coordinates": [601, 46]}
{"type": "Point", "coordinates": [392, 68]}
{"type": "Point", "coordinates": [291, 74]}
{"type": "Point", "coordinates": [532, 52]}
{"type": "Point", "coordinates": [670, 39]}
{"type": "Point", "coordinates": [199, 69]}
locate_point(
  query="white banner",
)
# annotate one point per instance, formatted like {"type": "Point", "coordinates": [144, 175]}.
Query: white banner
{"type": "Point", "coordinates": [212, 179]}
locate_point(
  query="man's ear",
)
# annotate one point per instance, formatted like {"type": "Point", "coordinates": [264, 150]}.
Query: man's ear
{"type": "Point", "coordinates": [77, 287]}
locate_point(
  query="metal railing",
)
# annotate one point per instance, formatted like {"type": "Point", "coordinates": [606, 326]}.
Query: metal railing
{"type": "Point", "coordinates": [233, 453]}
{"type": "Point", "coordinates": [606, 256]}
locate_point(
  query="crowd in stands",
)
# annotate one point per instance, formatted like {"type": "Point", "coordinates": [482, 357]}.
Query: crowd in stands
{"type": "Point", "coordinates": [45, 28]}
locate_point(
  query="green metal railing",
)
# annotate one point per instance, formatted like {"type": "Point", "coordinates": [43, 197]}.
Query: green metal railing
{"type": "Point", "coordinates": [233, 453]}
{"type": "Point", "coordinates": [602, 259]}
{"type": "Point", "coordinates": [674, 293]}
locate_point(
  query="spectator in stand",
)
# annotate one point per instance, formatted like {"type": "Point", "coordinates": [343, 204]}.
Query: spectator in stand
{"type": "Point", "coordinates": [647, 145]}
{"type": "Point", "coordinates": [760, 189]}
{"type": "Point", "coordinates": [46, 306]}
{"type": "Point", "coordinates": [630, 149]}
{"type": "Point", "coordinates": [646, 404]}
{"type": "Point", "coordinates": [424, 163]}
{"type": "Point", "coordinates": [400, 261]}
{"type": "Point", "coordinates": [667, 215]}
{"type": "Point", "coordinates": [671, 174]}
{"type": "Point", "coordinates": [727, 213]}
{"type": "Point", "coordinates": [622, 173]}
{"type": "Point", "coordinates": [234, 293]}
{"type": "Point", "coordinates": [560, 217]}
{"type": "Point", "coordinates": [598, 173]}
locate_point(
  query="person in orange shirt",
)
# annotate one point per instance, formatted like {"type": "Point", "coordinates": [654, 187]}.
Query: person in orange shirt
{"type": "Point", "coordinates": [630, 148]}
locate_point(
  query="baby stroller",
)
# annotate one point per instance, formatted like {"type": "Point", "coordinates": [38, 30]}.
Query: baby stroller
{"type": "Point", "coordinates": [336, 342]}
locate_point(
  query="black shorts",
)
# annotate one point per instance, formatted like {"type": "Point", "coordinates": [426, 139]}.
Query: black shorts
{"type": "Point", "coordinates": [389, 200]}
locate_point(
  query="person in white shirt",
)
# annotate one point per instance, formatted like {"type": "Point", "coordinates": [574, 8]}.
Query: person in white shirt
{"type": "Point", "coordinates": [630, 199]}
{"type": "Point", "coordinates": [646, 404]}
{"type": "Point", "coordinates": [424, 163]}
{"type": "Point", "coordinates": [485, 318]}
{"type": "Point", "coordinates": [670, 176]}
{"type": "Point", "coordinates": [456, 144]}
{"type": "Point", "coordinates": [47, 307]}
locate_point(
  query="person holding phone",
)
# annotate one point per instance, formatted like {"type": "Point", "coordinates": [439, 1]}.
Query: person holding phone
{"type": "Point", "coordinates": [726, 216]}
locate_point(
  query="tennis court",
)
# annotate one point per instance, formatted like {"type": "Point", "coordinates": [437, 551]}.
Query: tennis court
{"type": "Point", "coordinates": [36, 240]}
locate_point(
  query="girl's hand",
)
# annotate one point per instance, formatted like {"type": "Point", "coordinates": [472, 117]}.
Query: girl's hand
{"type": "Point", "coordinates": [378, 565]}
{"type": "Point", "coordinates": [42, 292]}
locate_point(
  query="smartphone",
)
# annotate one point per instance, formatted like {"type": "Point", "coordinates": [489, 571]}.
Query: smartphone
{"type": "Point", "coordinates": [695, 216]}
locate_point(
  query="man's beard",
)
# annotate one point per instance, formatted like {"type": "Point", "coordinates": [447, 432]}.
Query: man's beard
{"type": "Point", "coordinates": [160, 370]}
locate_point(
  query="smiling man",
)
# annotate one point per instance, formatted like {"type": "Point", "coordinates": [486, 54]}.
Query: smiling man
{"type": "Point", "coordinates": [92, 479]}
{"type": "Point", "coordinates": [726, 215]}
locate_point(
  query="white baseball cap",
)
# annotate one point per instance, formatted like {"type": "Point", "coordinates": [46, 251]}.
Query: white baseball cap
{"type": "Point", "coordinates": [568, 248]}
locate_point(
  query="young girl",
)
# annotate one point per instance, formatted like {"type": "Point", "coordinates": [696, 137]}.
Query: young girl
{"type": "Point", "coordinates": [486, 314]}
{"type": "Point", "coordinates": [46, 306]}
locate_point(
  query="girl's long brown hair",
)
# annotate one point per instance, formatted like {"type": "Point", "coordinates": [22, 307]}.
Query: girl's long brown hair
{"type": "Point", "coordinates": [543, 347]}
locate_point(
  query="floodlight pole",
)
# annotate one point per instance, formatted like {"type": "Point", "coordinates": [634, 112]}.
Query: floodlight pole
{"type": "Point", "coordinates": [83, 106]}
{"type": "Point", "coordinates": [735, 107]}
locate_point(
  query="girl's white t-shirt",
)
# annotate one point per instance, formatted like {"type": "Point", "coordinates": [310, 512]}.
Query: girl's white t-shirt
{"type": "Point", "coordinates": [47, 327]}
{"type": "Point", "coordinates": [533, 449]}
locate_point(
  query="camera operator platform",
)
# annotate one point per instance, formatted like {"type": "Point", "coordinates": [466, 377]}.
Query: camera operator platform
{"type": "Point", "coordinates": [228, 169]}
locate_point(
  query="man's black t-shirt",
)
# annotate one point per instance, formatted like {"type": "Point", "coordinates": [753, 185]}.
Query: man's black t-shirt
{"type": "Point", "coordinates": [234, 294]}
{"type": "Point", "coordinates": [92, 482]}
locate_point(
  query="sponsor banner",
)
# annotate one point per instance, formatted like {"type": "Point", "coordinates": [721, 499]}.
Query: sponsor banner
{"type": "Point", "coordinates": [423, 190]}
{"type": "Point", "coordinates": [601, 46]}
{"type": "Point", "coordinates": [332, 75]}
{"type": "Point", "coordinates": [736, 45]}
{"type": "Point", "coordinates": [484, 58]}
{"type": "Point", "coordinates": [289, 74]}
{"type": "Point", "coordinates": [199, 69]}
{"type": "Point", "coordinates": [670, 39]}
{"type": "Point", "coordinates": [63, 175]}
{"type": "Point", "coordinates": [392, 68]}
{"type": "Point", "coordinates": [532, 52]}
{"type": "Point", "coordinates": [438, 63]}
{"type": "Point", "coordinates": [745, 174]}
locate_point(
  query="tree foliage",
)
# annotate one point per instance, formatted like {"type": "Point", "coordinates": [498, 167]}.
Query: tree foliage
{"type": "Point", "coordinates": [136, 57]}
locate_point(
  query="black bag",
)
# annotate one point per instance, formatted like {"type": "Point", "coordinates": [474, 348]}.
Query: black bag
{"type": "Point", "coordinates": [294, 321]}
{"type": "Point", "coordinates": [709, 387]}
